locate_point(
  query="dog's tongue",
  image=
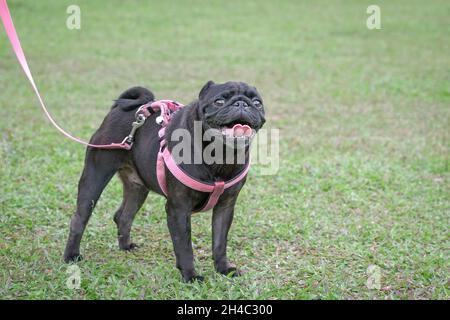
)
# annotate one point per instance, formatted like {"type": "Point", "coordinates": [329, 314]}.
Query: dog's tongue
{"type": "Point", "coordinates": [238, 130]}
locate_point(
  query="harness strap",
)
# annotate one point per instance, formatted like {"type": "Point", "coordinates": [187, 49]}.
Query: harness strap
{"type": "Point", "coordinates": [219, 187]}
{"type": "Point", "coordinates": [183, 177]}
{"type": "Point", "coordinates": [165, 159]}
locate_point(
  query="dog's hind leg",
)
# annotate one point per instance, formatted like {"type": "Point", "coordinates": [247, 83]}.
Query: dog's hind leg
{"type": "Point", "coordinates": [134, 195]}
{"type": "Point", "coordinates": [100, 167]}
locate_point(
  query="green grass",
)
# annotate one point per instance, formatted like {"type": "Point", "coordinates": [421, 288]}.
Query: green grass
{"type": "Point", "coordinates": [364, 123]}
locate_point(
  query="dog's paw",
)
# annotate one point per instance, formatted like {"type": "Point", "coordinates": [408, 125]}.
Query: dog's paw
{"type": "Point", "coordinates": [132, 246]}
{"type": "Point", "coordinates": [193, 279]}
{"type": "Point", "coordinates": [73, 258]}
{"type": "Point", "coordinates": [231, 272]}
{"type": "Point", "coordinates": [228, 269]}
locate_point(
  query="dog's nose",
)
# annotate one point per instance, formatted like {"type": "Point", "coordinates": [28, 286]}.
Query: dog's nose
{"type": "Point", "coordinates": [240, 104]}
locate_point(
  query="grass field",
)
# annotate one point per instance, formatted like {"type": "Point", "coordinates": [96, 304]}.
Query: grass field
{"type": "Point", "coordinates": [364, 120]}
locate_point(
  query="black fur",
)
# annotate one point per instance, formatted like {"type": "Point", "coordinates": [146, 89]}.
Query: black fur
{"type": "Point", "coordinates": [133, 98]}
{"type": "Point", "coordinates": [137, 170]}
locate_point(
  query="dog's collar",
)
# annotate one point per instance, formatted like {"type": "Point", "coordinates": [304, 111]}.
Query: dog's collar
{"type": "Point", "coordinates": [165, 159]}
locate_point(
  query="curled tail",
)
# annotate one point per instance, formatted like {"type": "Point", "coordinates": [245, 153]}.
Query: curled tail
{"type": "Point", "coordinates": [133, 98]}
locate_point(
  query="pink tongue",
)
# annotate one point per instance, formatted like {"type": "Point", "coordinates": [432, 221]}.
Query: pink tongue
{"type": "Point", "coordinates": [239, 130]}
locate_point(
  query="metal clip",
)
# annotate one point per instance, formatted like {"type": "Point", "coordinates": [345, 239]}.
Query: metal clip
{"type": "Point", "coordinates": [140, 119]}
{"type": "Point", "coordinates": [159, 120]}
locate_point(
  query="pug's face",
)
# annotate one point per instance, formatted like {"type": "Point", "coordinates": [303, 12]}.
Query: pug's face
{"type": "Point", "coordinates": [234, 110]}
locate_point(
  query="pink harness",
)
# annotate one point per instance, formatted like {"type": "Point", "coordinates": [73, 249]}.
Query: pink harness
{"type": "Point", "coordinates": [167, 108]}
{"type": "Point", "coordinates": [165, 159]}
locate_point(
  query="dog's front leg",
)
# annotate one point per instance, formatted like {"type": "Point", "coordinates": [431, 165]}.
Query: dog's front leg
{"type": "Point", "coordinates": [179, 223]}
{"type": "Point", "coordinates": [221, 222]}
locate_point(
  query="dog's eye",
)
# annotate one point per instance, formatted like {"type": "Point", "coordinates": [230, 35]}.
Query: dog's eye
{"type": "Point", "coordinates": [257, 103]}
{"type": "Point", "coordinates": [219, 102]}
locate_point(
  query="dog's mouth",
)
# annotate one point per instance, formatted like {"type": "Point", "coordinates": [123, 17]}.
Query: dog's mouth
{"type": "Point", "coordinates": [237, 133]}
{"type": "Point", "coordinates": [237, 129]}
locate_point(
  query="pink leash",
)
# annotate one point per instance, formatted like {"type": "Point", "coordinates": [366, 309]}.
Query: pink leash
{"type": "Point", "coordinates": [15, 42]}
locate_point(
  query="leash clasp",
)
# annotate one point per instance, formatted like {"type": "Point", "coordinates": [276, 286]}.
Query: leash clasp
{"type": "Point", "coordinates": [140, 120]}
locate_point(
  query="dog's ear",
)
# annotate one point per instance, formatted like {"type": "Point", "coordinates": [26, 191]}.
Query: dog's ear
{"type": "Point", "coordinates": [205, 89]}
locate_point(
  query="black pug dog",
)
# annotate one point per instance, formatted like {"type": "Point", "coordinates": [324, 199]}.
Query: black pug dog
{"type": "Point", "coordinates": [218, 106]}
